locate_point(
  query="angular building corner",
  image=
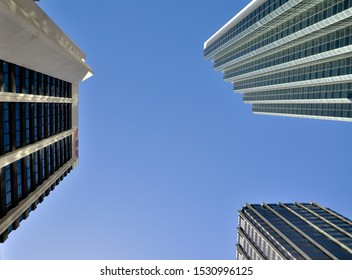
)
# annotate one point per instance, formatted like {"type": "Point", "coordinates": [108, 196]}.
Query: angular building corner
{"type": "Point", "coordinates": [40, 69]}
{"type": "Point", "coordinates": [292, 231]}
{"type": "Point", "coordinates": [289, 57]}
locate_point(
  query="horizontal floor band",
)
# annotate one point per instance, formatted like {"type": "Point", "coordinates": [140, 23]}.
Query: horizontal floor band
{"type": "Point", "coordinates": [27, 150]}
{"type": "Point", "coordinates": [298, 84]}
{"type": "Point", "coordinates": [306, 116]}
{"type": "Point", "coordinates": [23, 97]}
{"type": "Point", "coordinates": [299, 101]}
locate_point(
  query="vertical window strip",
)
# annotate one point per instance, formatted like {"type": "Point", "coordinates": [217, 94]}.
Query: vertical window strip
{"type": "Point", "coordinates": [28, 140]}
{"type": "Point", "coordinates": [48, 86]}
{"type": "Point", "coordinates": [8, 186]}
{"type": "Point", "coordinates": [66, 149]}
{"type": "Point", "coordinates": [43, 155]}
{"type": "Point", "coordinates": [62, 114]}
{"type": "Point", "coordinates": [70, 147]}
{"type": "Point", "coordinates": [1, 76]}
{"type": "Point", "coordinates": [68, 116]}
{"type": "Point", "coordinates": [59, 153]}
{"type": "Point", "coordinates": [19, 177]}
{"type": "Point", "coordinates": [69, 113]}
{"type": "Point", "coordinates": [29, 172]}
{"type": "Point", "coordinates": [18, 79]}
{"type": "Point", "coordinates": [36, 167]}
{"type": "Point", "coordinates": [53, 87]}
{"type": "Point", "coordinates": [35, 83]}
{"type": "Point", "coordinates": [42, 122]}
{"type": "Point", "coordinates": [58, 88]}
{"type": "Point", "coordinates": [5, 73]}
{"type": "Point", "coordinates": [70, 90]}
{"type": "Point", "coordinates": [64, 89]}
{"type": "Point", "coordinates": [53, 108]}
{"type": "Point", "coordinates": [41, 84]}
{"type": "Point", "coordinates": [62, 152]}
{"type": "Point", "coordinates": [35, 121]}
{"type": "Point", "coordinates": [6, 135]}
{"type": "Point", "coordinates": [27, 84]}
{"type": "Point", "coordinates": [58, 107]}
{"type": "Point", "coordinates": [54, 157]}
{"type": "Point", "coordinates": [49, 118]}
{"type": "Point", "coordinates": [18, 125]}
{"type": "Point", "coordinates": [48, 149]}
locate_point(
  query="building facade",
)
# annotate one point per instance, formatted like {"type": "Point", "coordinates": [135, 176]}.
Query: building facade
{"type": "Point", "coordinates": [40, 69]}
{"type": "Point", "coordinates": [289, 57]}
{"type": "Point", "coordinates": [292, 231]}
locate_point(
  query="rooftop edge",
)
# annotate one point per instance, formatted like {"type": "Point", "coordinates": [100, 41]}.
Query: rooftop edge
{"type": "Point", "coordinates": [232, 22]}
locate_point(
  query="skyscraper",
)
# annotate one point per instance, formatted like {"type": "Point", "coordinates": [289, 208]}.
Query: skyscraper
{"type": "Point", "coordinates": [293, 231]}
{"type": "Point", "coordinates": [289, 57]}
{"type": "Point", "coordinates": [40, 69]}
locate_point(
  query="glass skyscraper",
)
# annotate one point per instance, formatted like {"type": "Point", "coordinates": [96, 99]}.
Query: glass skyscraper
{"type": "Point", "coordinates": [40, 68]}
{"type": "Point", "coordinates": [289, 57]}
{"type": "Point", "coordinates": [293, 231]}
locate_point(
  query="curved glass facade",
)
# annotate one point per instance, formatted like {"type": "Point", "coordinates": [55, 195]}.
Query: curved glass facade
{"type": "Point", "coordinates": [300, 54]}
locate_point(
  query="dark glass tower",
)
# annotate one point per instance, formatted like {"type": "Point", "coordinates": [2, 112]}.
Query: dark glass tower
{"type": "Point", "coordinates": [293, 231]}
{"type": "Point", "coordinates": [289, 57]}
{"type": "Point", "coordinates": [39, 74]}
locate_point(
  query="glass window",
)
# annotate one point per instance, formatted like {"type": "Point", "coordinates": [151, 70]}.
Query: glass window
{"type": "Point", "coordinates": [6, 116]}
{"type": "Point", "coordinates": [54, 156]}
{"type": "Point", "coordinates": [42, 120]}
{"type": "Point", "coordinates": [53, 107]}
{"type": "Point", "coordinates": [35, 82]}
{"type": "Point", "coordinates": [58, 107]}
{"type": "Point", "coordinates": [18, 125]}
{"type": "Point", "coordinates": [48, 149]}
{"type": "Point", "coordinates": [43, 164]}
{"type": "Point", "coordinates": [19, 177]}
{"type": "Point", "coordinates": [5, 69]}
{"type": "Point", "coordinates": [29, 177]}
{"type": "Point", "coordinates": [48, 86]}
{"type": "Point", "coordinates": [8, 197]}
{"type": "Point", "coordinates": [35, 121]}
{"type": "Point", "coordinates": [53, 87]}
{"type": "Point", "coordinates": [58, 88]}
{"type": "Point", "coordinates": [28, 140]}
{"type": "Point", "coordinates": [27, 83]}
{"type": "Point", "coordinates": [18, 79]}
{"type": "Point", "coordinates": [42, 84]}
{"type": "Point", "coordinates": [59, 152]}
{"type": "Point", "coordinates": [49, 118]}
{"type": "Point", "coordinates": [66, 149]}
{"type": "Point", "coordinates": [36, 167]}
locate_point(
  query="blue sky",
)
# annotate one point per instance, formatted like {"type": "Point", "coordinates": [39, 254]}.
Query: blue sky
{"type": "Point", "coordinates": [168, 153]}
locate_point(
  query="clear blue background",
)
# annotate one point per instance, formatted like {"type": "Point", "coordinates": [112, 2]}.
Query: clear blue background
{"type": "Point", "coordinates": [168, 154]}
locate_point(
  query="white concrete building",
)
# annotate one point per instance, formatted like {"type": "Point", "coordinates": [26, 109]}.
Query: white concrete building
{"type": "Point", "coordinates": [40, 69]}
